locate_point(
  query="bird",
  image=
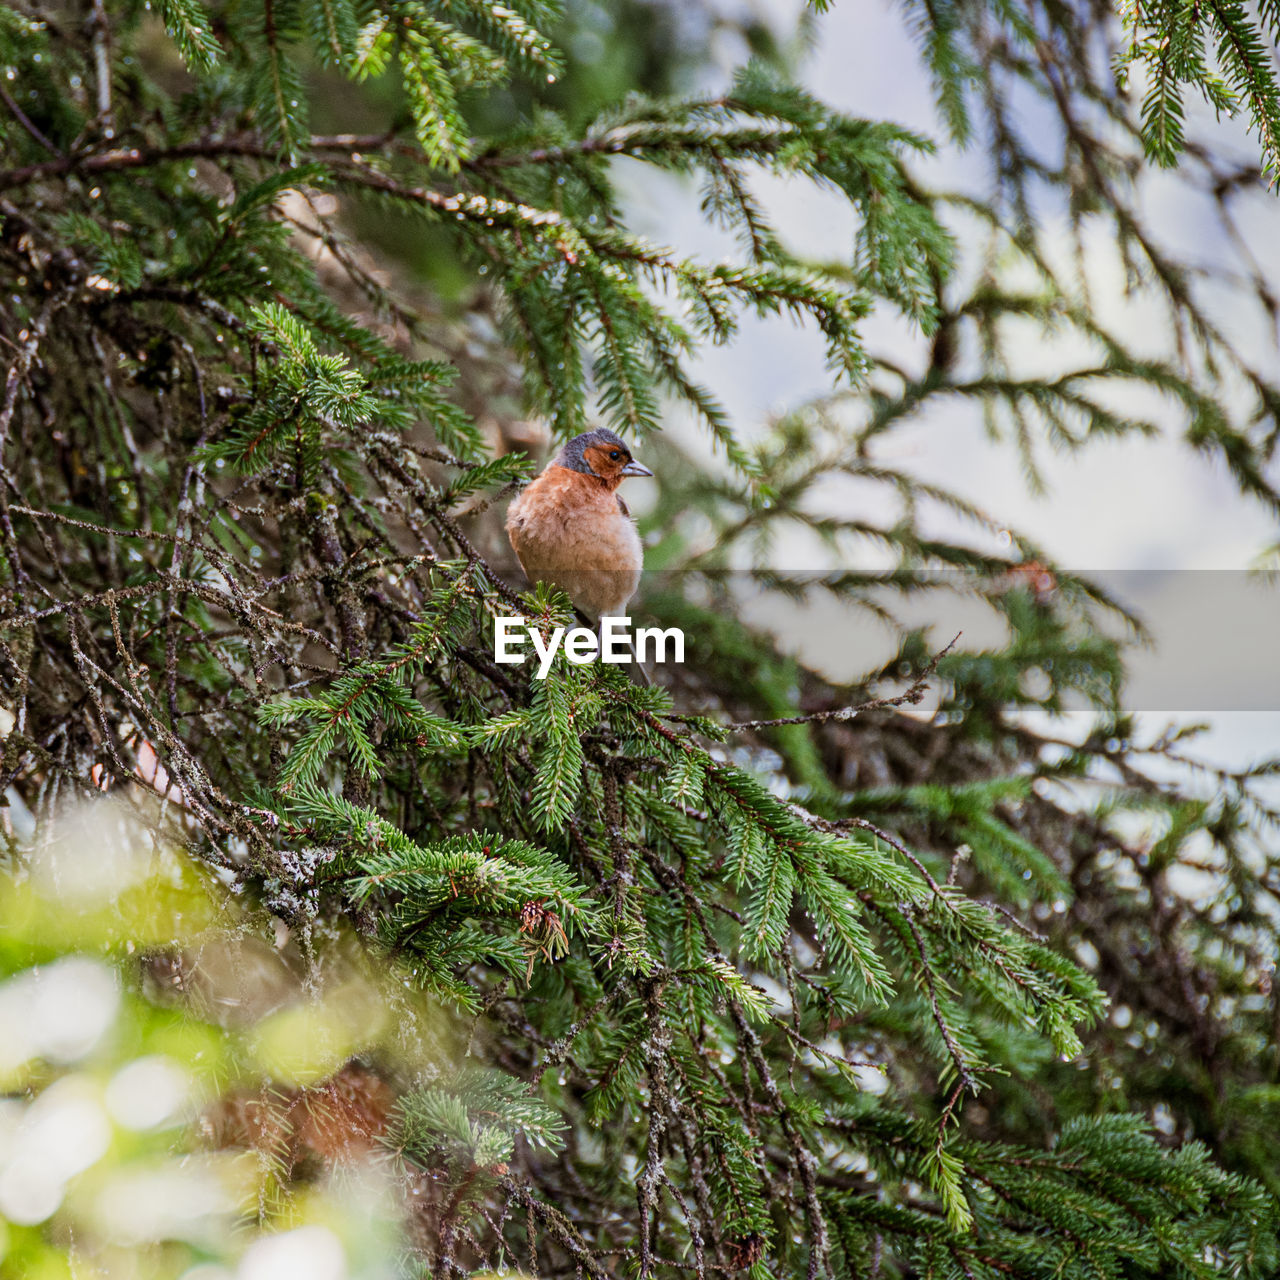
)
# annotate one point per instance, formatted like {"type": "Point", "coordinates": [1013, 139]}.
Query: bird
{"type": "Point", "coordinates": [571, 528]}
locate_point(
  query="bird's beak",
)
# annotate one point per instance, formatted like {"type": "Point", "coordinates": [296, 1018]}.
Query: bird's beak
{"type": "Point", "coordinates": [634, 468]}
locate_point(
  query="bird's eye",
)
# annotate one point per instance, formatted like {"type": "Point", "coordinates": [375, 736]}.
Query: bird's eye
{"type": "Point", "coordinates": [614, 454]}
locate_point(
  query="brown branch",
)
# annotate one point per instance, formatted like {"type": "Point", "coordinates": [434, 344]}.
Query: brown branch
{"type": "Point", "coordinates": [25, 121]}
{"type": "Point", "coordinates": [911, 697]}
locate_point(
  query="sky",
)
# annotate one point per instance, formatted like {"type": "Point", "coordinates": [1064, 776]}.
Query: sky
{"type": "Point", "coordinates": [1150, 505]}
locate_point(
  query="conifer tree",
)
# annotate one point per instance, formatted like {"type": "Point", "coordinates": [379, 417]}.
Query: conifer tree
{"type": "Point", "coordinates": [741, 972]}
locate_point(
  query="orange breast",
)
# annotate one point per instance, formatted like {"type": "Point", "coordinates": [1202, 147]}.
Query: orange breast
{"type": "Point", "coordinates": [568, 529]}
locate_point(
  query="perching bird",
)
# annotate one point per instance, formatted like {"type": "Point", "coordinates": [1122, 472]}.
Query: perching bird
{"type": "Point", "coordinates": [571, 528]}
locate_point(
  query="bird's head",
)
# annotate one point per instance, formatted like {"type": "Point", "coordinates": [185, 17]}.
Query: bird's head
{"type": "Point", "coordinates": [602, 454]}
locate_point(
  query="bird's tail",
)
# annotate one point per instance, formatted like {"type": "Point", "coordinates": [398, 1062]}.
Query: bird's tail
{"type": "Point", "coordinates": [635, 669]}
